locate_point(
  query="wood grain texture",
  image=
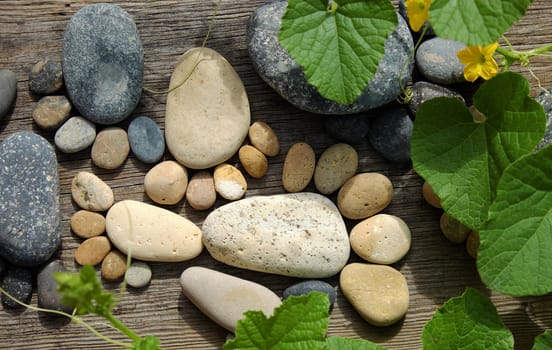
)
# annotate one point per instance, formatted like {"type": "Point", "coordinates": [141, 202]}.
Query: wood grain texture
{"type": "Point", "coordinates": [435, 269]}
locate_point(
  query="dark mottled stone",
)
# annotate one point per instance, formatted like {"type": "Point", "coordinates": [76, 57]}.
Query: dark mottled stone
{"type": "Point", "coordinates": [390, 133]}
{"type": "Point", "coordinates": [46, 77]}
{"type": "Point", "coordinates": [351, 129]}
{"type": "Point", "coordinates": [146, 140]}
{"type": "Point", "coordinates": [423, 91]}
{"type": "Point", "coordinates": [437, 61]}
{"type": "Point", "coordinates": [545, 99]}
{"type": "Point", "coordinates": [404, 13]}
{"type": "Point", "coordinates": [18, 282]}
{"type": "Point", "coordinates": [48, 296]}
{"type": "Point", "coordinates": [8, 91]}
{"type": "Point", "coordinates": [2, 267]}
{"type": "Point", "coordinates": [286, 77]}
{"type": "Point", "coordinates": [29, 209]}
{"type": "Point", "coordinates": [305, 287]}
{"type": "Point", "coordinates": [103, 63]}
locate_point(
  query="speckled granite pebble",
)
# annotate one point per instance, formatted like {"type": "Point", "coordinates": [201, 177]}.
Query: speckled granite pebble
{"type": "Point", "coordinates": [146, 140]}
{"type": "Point", "coordinates": [423, 91]}
{"type": "Point", "coordinates": [348, 128]}
{"type": "Point", "coordinates": [75, 135]}
{"type": "Point", "coordinates": [8, 91]}
{"type": "Point", "coordinates": [48, 297]}
{"type": "Point", "coordinates": [305, 287]}
{"type": "Point", "coordinates": [390, 134]}
{"type": "Point", "coordinates": [46, 77]}
{"type": "Point", "coordinates": [138, 274]}
{"type": "Point", "coordinates": [437, 61]}
{"type": "Point", "coordinates": [545, 99]}
{"type": "Point", "coordinates": [51, 111]}
{"type": "Point", "coordinates": [18, 281]}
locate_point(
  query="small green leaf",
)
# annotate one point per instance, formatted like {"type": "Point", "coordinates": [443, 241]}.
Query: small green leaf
{"type": "Point", "coordinates": [147, 343]}
{"type": "Point", "coordinates": [340, 343]}
{"type": "Point", "coordinates": [339, 47]}
{"type": "Point", "coordinates": [475, 22]}
{"type": "Point", "coordinates": [468, 322]}
{"type": "Point", "coordinates": [543, 341]}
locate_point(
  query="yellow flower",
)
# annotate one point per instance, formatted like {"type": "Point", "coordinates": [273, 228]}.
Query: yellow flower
{"type": "Point", "coordinates": [418, 13]}
{"type": "Point", "coordinates": [479, 62]}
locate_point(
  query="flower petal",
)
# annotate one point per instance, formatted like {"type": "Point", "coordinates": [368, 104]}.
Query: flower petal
{"type": "Point", "coordinates": [489, 50]}
{"type": "Point", "coordinates": [489, 69]}
{"type": "Point", "coordinates": [472, 71]}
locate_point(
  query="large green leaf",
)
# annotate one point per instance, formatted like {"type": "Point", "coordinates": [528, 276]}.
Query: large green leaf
{"type": "Point", "coordinates": [543, 341]}
{"type": "Point", "coordinates": [339, 46]}
{"type": "Point", "coordinates": [475, 22]}
{"type": "Point", "coordinates": [340, 343]}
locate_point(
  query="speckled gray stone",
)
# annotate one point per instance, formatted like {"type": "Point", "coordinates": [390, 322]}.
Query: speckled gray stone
{"type": "Point", "coordinates": [146, 140]}
{"type": "Point", "coordinates": [348, 128]}
{"type": "Point", "coordinates": [46, 77]}
{"type": "Point", "coordinates": [390, 133]}
{"type": "Point", "coordinates": [29, 209]}
{"type": "Point", "coordinates": [46, 285]}
{"type": "Point", "coordinates": [545, 99]}
{"type": "Point", "coordinates": [437, 61]}
{"type": "Point", "coordinates": [103, 63]}
{"type": "Point", "coordinates": [286, 77]}
{"type": "Point", "coordinates": [305, 287]}
{"type": "Point", "coordinates": [8, 91]}
{"type": "Point", "coordinates": [18, 282]}
{"type": "Point", "coordinates": [75, 135]}
{"type": "Point", "coordinates": [423, 91]}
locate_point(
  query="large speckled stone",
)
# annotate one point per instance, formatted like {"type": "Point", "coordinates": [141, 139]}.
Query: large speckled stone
{"type": "Point", "coordinates": [296, 234]}
{"type": "Point", "coordinates": [545, 99]}
{"type": "Point", "coordinates": [18, 282]}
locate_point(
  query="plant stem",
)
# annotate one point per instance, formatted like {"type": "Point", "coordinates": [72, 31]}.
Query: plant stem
{"type": "Point", "coordinates": [511, 55]}
{"type": "Point", "coordinates": [121, 327]}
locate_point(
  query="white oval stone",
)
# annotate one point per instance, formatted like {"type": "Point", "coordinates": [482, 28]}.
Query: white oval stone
{"type": "Point", "coordinates": [296, 234]}
{"type": "Point", "coordinates": [152, 233]}
{"type": "Point", "coordinates": [90, 192]}
{"type": "Point", "coordinates": [208, 117]}
{"type": "Point", "coordinates": [224, 298]}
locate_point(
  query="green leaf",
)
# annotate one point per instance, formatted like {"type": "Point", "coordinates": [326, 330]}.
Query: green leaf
{"type": "Point", "coordinates": [514, 255]}
{"type": "Point", "coordinates": [147, 343]}
{"type": "Point", "coordinates": [340, 343]}
{"type": "Point", "coordinates": [468, 322]}
{"type": "Point", "coordinates": [299, 323]}
{"type": "Point", "coordinates": [463, 160]}
{"type": "Point", "coordinates": [475, 22]}
{"type": "Point", "coordinates": [543, 341]}
{"type": "Point", "coordinates": [339, 46]}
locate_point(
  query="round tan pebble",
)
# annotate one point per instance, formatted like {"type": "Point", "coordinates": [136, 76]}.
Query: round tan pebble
{"type": "Point", "coordinates": [201, 194]}
{"type": "Point", "coordinates": [337, 164]}
{"type": "Point", "coordinates": [364, 195]}
{"type": "Point", "coordinates": [229, 182]}
{"type": "Point", "coordinates": [114, 266]}
{"type": "Point", "coordinates": [381, 239]}
{"type": "Point", "coordinates": [430, 197]}
{"type": "Point", "coordinates": [378, 293]}
{"type": "Point", "coordinates": [453, 229]}
{"type": "Point", "coordinates": [472, 244]}
{"type": "Point", "coordinates": [166, 182]}
{"type": "Point", "coordinates": [111, 148]}
{"type": "Point", "coordinates": [264, 138]}
{"type": "Point", "coordinates": [298, 167]}
{"type": "Point", "coordinates": [253, 161]}
{"type": "Point", "coordinates": [90, 192]}
{"type": "Point", "coordinates": [51, 111]}
{"type": "Point", "coordinates": [92, 251]}
{"type": "Point", "coordinates": [87, 224]}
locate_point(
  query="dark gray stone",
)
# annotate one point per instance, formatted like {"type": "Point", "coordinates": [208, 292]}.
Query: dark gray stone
{"type": "Point", "coordinates": [390, 133]}
{"type": "Point", "coordinates": [29, 209]}
{"type": "Point", "coordinates": [18, 282]}
{"type": "Point", "coordinates": [46, 77]}
{"type": "Point", "coordinates": [279, 70]}
{"type": "Point", "coordinates": [2, 267]}
{"type": "Point", "coordinates": [423, 91]}
{"type": "Point", "coordinates": [146, 140]}
{"type": "Point", "coordinates": [437, 61]}
{"type": "Point", "coordinates": [46, 285]}
{"type": "Point", "coordinates": [545, 99]}
{"type": "Point", "coordinates": [305, 287]}
{"type": "Point", "coordinates": [8, 91]}
{"type": "Point", "coordinates": [103, 63]}
{"type": "Point", "coordinates": [350, 129]}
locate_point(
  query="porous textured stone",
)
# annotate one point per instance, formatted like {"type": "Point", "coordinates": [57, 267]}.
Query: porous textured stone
{"type": "Point", "coordinates": [46, 77]}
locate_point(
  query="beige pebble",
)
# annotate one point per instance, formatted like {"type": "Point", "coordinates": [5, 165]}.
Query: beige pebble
{"type": "Point", "coordinates": [51, 111]}
{"type": "Point", "coordinates": [253, 161]}
{"type": "Point", "coordinates": [92, 251]}
{"type": "Point", "coordinates": [113, 266]}
{"type": "Point", "coordinates": [229, 182]}
{"type": "Point", "coordinates": [453, 229]}
{"type": "Point", "coordinates": [111, 148]}
{"type": "Point", "coordinates": [201, 194]}
{"type": "Point", "coordinates": [337, 164]}
{"type": "Point", "coordinates": [472, 244]}
{"type": "Point", "coordinates": [263, 137]}
{"type": "Point", "coordinates": [298, 167]}
{"type": "Point", "coordinates": [381, 239]}
{"type": "Point", "coordinates": [86, 224]}
{"type": "Point", "coordinates": [430, 197]}
{"type": "Point", "coordinates": [90, 192]}
{"type": "Point", "coordinates": [378, 293]}
{"type": "Point", "coordinates": [364, 195]}
{"type": "Point", "coordinates": [166, 182]}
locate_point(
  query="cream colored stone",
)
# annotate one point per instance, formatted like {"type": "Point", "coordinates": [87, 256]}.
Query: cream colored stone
{"type": "Point", "coordinates": [253, 161]}
{"type": "Point", "coordinates": [166, 182]}
{"type": "Point", "coordinates": [113, 266]}
{"type": "Point", "coordinates": [92, 251]}
{"type": "Point", "coordinates": [87, 224]}
{"type": "Point", "coordinates": [229, 182]}
{"type": "Point", "coordinates": [364, 195]}
{"type": "Point", "coordinates": [337, 164]}
{"type": "Point", "coordinates": [201, 194]}
{"type": "Point", "coordinates": [90, 192]}
{"type": "Point", "coordinates": [298, 167]}
{"type": "Point", "coordinates": [264, 138]}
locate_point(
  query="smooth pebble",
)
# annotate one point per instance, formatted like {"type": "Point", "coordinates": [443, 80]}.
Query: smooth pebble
{"type": "Point", "coordinates": [201, 193]}
{"type": "Point", "coordinates": [390, 133]}
{"type": "Point", "coordinates": [364, 195]}
{"type": "Point", "coordinates": [337, 164]}
{"type": "Point", "coordinates": [430, 196]}
{"type": "Point", "coordinates": [472, 244]}
{"type": "Point", "coordinates": [75, 135]}
{"type": "Point", "coordinates": [305, 287]}
{"type": "Point", "coordinates": [229, 181]}
{"type": "Point", "coordinates": [92, 251]}
{"type": "Point", "coordinates": [113, 266]}
{"type": "Point", "coordinates": [8, 91]}
{"type": "Point", "coordinates": [253, 161]}
{"type": "Point", "coordinates": [437, 61]}
{"type": "Point", "coordinates": [452, 229]}
{"type": "Point", "coordinates": [263, 137]}
{"type": "Point", "coordinates": [51, 111]}
{"type": "Point", "coordinates": [18, 282]}
{"type": "Point", "coordinates": [111, 148]}
{"type": "Point", "coordinates": [146, 140]}
{"type": "Point", "coordinates": [351, 129]}
{"type": "Point", "coordinates": [48, 296]}
{"type": "Point", "coordinates": [86, 224]}
{"type": "Point", "coordinates": [166, 182]}
{"type": "Point", "coordinates": [299, 165]}
{"type": "Point", "coordinates": [90, 192]}
{"type": "Point", "coordinates": [138, 274]}
{"type": "Point", "coordinates": [46, 77]}
{"type": "Point", "coordinates": [423, 91]}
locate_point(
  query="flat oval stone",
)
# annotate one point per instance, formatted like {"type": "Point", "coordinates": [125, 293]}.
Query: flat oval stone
{"type": "Point", "coordinates": [263, 137]}
{"type": "Point", "coordinates": [298, 167]}
{"type": "Point", "coordinates": [229, 182]}
{"type": "Point", "coordinates": [92, 251]}
{"type": "Point", "coordinates": [90, 192]}
{"type": "Point", "coordinates": [390, 134]}
{"type": "Point", "coordinates": [75, 135]}
{"type": "Point", "coordinates": [364, 195]}
{"type": "Point", "coordinates": [146, 140]}
{"type": "Point", "coordinates": [48, 296]}
{"type": "Point", "coordinates": [152, 233]}
{"type": "Point", "coordinates": [296, 234]}
{"type": "Point", "coordinates": [378, 293]}
{"type": "Point", "coordinates": [8, 91]}
{"type": "Point", "coordinates": [201, 193]}
{"type": "Point", "coordinates": [29, 210]}
{"type": "Point", "coordinates": [138, 274]}
{"type": "Point", "coordinates": [351, 129]}
{"type": "Point", "coordinates": [46, 77]}
{"type": "Point", "coordinates": [103, 63]}
{"type": "Point", "coordinates": [437, 61]}
{"type": "Point", "coordinates": [224, 298]}
{"type": "Point", "coordinates": [253, 161]}
{"type": "Point", "coordinates": [452, 229]}
{"type": "Point", "coordinates": [337, 164]}
{"type": "Point", "coordinates": [86, 224]}
{"type": "Point", "coordinates": [113, 266]}
{"type": "Point", "coordinates": [381, 239]}
{"type": "Point", "coordinates": [111, 148]}
{"type": "Point", "coordinates": [18, 281]}
{"type": "Point", "coordinates": [51, 111]}
{"type": "Point", "coordinates": [305, 287]}
{"type": "Point", "coordinates": [423, 91]}
{"type": "Point", "coordinates": [166, 182]}
{"type": "Point", "coordinates": [208, 117]}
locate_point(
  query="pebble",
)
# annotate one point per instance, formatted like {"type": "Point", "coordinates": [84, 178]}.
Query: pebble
{"type": "Point", "coordinates": [351, 129]}
{"type": "Point", "coordinates": [138, 274]}
{"type": "Point", "coordinates": [46, 77]}
{"type": "Point", "coordinates": [545, 99]}
{"type": "Point", "coordinates": [364, 195]}
{"type": "Point", "coordinates": [390, 134]}
{"type": "Point", "coordinates": [51, 111]}
{"type": "Point", "coordinates": [378, 293]}
{"type": "Point", "coordinates": [29, 209]}
{"type": "Point", "coordinates": [152, 233]}
{"type": "Point", "coordinates": [18, 282]}
{"type": "Point", "coordinates": [225, 298]}
{"type": "Point", "coordinates": [48, 296]}
{"type": "Point", "coordinates": [437, 61]}
{"type": "Point", "coordinates": [166, 182]}
{"type": "Point", "coordinates": [75, 135]}
{"type": "Point", "coordinates": [90, 192]}
{"type": "Point", "coordinates": [111, 148]}
{"type": "Point", "coordinates": [92, 251]}
{"type": "Point", "coordinates": [86, 224]}
{"type": "Point", "coordinates": [430, 197]}
{"type": "Point", "coordinates": [298, 169]}
{"type": "Point", "coordinates": [280, 71]}
{"type": "Point", "coordinates": [253, 161]}
{"type": "Point", "coordinates": [208, 117]}
{"type": "Point", "coordinates": [472, 244]}
{"type": "Point", "coordinates": [230, 183]}
{"type": "Point", "coordinates": [146, 140]}
{"type": "Point", "coordinates": [263, 137]}
{"type": "Point", "coordinates": [381, 239]}
{"type": "Point", "coordinates": [336, 165]}
{"type": "Point", "coordinates": [296, 234]}
{"type": "Point", "coordinates": [8, 91]}
{"type": "Point", "coordinates": [305, 287]}
{"type": "Point", "coordinates": [201, 193]}
{"type": "Point", "coordinates": [113, 266]}
{"type": "Point", "coordinates": [453, 229]}
{"type": "Point", "coordinates": [423, 91]}
{"type": "Point", "coordinates": [103, 63]}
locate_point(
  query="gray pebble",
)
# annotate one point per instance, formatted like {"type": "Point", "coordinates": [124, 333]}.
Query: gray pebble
{"type": "Point", "coordinates": [437, 61]}
{"type": "Point", "coordinates": [138, 274]}
{"type": "Point", "coordinates": [146, 140]}
{"type": "Point", "coordinates": [305, 287]}
{"type": "Point", "coordinates": [46, 77]}
{"type": "Point", "coordinates": [390, 134]}
{"type": "Point", "coordinates": [18, 282]}
{"type": "Point", "coordinates": [48, 296]}
{"type": "Point", "coordinates": [8, 91]}
{"type": "Point", "coordinates": [545, 99]}
{"type": "Point", "coordinates": [75, 135]}
{"type": "Point", "coordinates": [423, 91]}
{"type": "Point", "coordinates": [351, 129]}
